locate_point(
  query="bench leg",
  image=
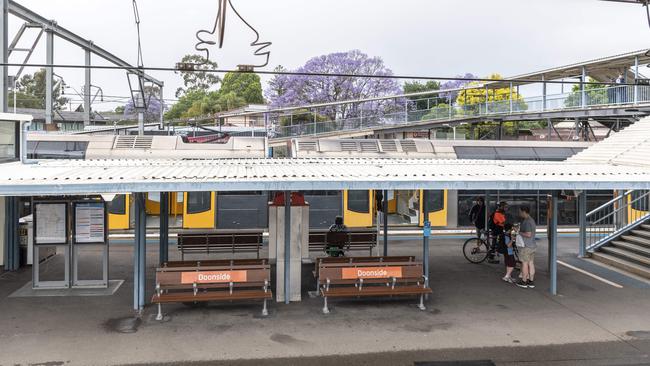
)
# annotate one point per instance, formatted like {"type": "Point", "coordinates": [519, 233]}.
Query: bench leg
{"type": "Point", "coordinates": [159, 316]}
{"type": "Point", "coordinates": [265, 311]}
{"type": "Point", "coordinates": [326, 310]}
{"type": "Point", "coordinates": [421, 305]}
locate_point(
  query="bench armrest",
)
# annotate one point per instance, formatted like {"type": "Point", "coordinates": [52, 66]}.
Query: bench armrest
{"type": "Point", "coordinates": [426, 279]}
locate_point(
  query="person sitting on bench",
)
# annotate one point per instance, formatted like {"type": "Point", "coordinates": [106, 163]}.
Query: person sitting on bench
{"type": "Point", "coordinates": [336, 238]}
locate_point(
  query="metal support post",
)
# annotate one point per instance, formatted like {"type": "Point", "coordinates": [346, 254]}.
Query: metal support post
{"type": "Point", "coordinates": [487, 97]}
{"type": "Point", "coordinates": [500, 131]}
{"type": "Point", "coordinates": [511, 102]}
{"type": "Point", "coordinates": [552, 245]}
{"type": "Point", "coordinates": [406, 110]}
{"type": "Point", "coordinates": [583, 93]}
{"type": "Point", "coordinates": [49, 80]}
{"type": "Point", "coordinates": [140, 123]}
{"type": "Point", "coordinates": [385, 203]}
{"type": "Point", "coordinates": [162, 109]}
{"type": "Point", "coordinates": [544, 106]}
{"type": "Point", "coordinates": [11, 236]}
{"type": "Point", "coordinates": [139, 252]}
{"type": "Point", "coordinates": [287, 246]}
{"type": "Point", "coordinates": [636, 77]}
{"type": "Point", "coordinates": [549, 124]}
{"type": "Point", "coordinates": [426, 231]}
{"type": "Point", "coordinates": [87, 87]}
{"type": "Point", "coordinates": [4, 55]}
{"type": "Point", "coordinates": [487, 208]}
{"type": "Point", "coordinates": [582, 219]}
{"type": "Point", "coordinates": [164, 227]}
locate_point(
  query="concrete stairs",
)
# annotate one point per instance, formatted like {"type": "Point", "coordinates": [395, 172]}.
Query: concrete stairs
{"type": "Point", "coordinates": [629, 252]}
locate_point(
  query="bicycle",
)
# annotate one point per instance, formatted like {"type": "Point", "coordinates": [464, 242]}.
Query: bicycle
{"type": "Point", "coordinates": [476, 250]}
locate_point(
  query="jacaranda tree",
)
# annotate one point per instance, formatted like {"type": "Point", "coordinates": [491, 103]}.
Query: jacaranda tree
{"type": "Point", "coordinates": [298, 90]}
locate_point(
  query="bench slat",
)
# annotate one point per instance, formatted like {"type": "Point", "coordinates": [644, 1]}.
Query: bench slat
{"type": "Point", "coordinates": [375, 291]}
{"type": "Point", "coordinates": [211, 296]}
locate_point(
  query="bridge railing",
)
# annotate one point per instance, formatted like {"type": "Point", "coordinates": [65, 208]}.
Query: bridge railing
{"type": "Point", "coordinates": [402, 111]}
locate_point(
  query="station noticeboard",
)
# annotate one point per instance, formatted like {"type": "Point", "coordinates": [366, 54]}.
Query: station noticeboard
{"type": "Point", "coordinates": [89, 223]}
{"type": "Point", "coordinates": [50, 223]}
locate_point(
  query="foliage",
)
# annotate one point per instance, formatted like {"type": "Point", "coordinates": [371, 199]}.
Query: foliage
{"type": "Point", "coordinates": [437, 112]}
{"type": "Point", "coordinates": [31, 90]}
{"type": "Point", "coordinates": [277, 86]}
{"type": "Point", "coordinates": [595, 93]}
{"type": "Point", "coordinates": [243, 85]}
{"type": "Point", "coordinates": [473, 99]}
{"type": "Point", "coordinates": [455, 84]}
{"type": "Point", "coordinates": [184, 103]}
{"type": "Point", "coordinates": [420, 102]}
{"type": "Point", "coordinates": [154, 107]}
{"type": "Point", "coordinates": [301, 90]}
{"type": "Point", "coordinates": [302, 116]}
{"type": "Point", "coordinates": [201, 80]}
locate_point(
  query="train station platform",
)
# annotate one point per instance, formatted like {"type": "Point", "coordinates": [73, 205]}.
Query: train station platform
{"type": "Point", "coordinates": [471, 308]}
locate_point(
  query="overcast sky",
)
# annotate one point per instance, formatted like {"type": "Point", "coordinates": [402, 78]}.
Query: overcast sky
{"type": "Point", "coordinates": [414, 37]}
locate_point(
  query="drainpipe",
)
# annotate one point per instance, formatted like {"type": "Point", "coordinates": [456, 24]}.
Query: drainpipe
{"type": "Point", "coordinates": [23, 142]}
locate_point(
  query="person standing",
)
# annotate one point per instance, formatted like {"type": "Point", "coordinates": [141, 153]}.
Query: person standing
{"type": "Point", "coordinates": [477, 215]}
{"type": "Point", "coordinates": [497, 225]}
{"type": "Point", "coordinates": [527, 231]}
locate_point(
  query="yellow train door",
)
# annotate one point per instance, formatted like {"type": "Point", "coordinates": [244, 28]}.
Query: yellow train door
{"type": "Point", "coordinates": [152, 203]}
{"type": "Point", "coordinates": [437, 208]}
{"type": "Point", "coordinates": [637, 206]}
{"type": "Point", "coordinates": [358, 208]}
{"type": "Point", "coordinates": [119, 212]}
{"type": "Point", "coordinates": [199, 210]}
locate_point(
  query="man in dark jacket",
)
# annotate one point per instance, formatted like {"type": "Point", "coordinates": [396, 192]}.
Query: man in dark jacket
{"type": "Point", "coordinates": [477, 215]}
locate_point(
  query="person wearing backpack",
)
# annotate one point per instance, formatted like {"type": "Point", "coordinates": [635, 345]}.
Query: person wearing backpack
{"type": "Point", "coordinates": [497, 225]}
{"type": "Point", "coordinates": [526, 242]}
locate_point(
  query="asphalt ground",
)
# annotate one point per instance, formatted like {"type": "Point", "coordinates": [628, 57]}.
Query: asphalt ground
{"type": "Point", "coordinates": [472, 315]}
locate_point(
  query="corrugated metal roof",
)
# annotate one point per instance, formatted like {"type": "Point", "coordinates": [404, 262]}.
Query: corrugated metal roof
{"type": "Point", "coordinates": [629, 147]}
{"type": "Point", "coordinates": [120, 176]}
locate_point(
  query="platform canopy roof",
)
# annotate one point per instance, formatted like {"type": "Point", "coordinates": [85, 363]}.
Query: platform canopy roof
{"type": "Point", "coordinates": [58, 177]}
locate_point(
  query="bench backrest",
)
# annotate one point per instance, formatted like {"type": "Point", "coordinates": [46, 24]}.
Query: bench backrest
{"type": "Point", "coordinates": [219, 239]}
{"type": "Point", "coordinates": [213, 275]}
{"type": "Point", "coordinates": [350, 237]}
{"type": "Point", "coordinates": [370, 270]}
{"type": "Point", "coordinates": [214, 263]}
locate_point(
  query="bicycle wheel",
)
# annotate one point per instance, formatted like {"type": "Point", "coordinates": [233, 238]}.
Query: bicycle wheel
{"type": "Point", "coordinates": [475, 250]}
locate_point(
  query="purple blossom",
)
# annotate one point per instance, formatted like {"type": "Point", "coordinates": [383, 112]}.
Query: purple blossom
{"type": "Point", "coordinates": [455, 84]}
{"type": "Point", "coordinates": [152, 113]}
{"type": "Point", "coordinates": [299, 90]}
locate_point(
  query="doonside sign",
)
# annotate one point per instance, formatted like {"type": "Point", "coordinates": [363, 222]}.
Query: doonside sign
{"type": "Point", "coordinates": [371, 272]}
{"type": "Point", "coordinates": [213, 277]}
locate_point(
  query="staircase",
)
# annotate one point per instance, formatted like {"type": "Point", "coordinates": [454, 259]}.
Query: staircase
{"type": "Point", "coordinates": [618, 233]}
{"type": "Point", "coordinates": [629, 252]}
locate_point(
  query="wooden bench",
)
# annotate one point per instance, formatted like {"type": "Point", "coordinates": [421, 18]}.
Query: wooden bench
{"type": "Point", "coordinates": [355, 240]}
{"type": "Point", "coordinates": [214, 242]}
{"type": "Point", "coordinates": [370, 277]}
{"type": "Point", "coordinates": [213, 280]}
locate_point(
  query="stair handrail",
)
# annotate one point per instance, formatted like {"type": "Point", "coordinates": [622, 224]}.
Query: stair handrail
{"type": "Point", "coordinates": [604, 223]}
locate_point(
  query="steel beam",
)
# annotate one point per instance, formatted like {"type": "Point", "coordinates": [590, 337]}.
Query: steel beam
{"type": "Point", "coordinates": [49, 79]}
{"type": "Point", "coordinates": [425, 236]}
{"type": "Point", "coordinates": [582, 220]}
{"type": "Point", "coordinates": [4, 55]}
{"type": "Point", "coordinates": [27, 15]}
{"type": "Point", "coordinates": [87, 91]}
{"type": "Point", "coordinates": [139, 252]}
{"type": "Point", "coordinates": [164, 227]}
{"type": "Point", "coordinates": [11, 239]}
{"type": "Point", "coordinates": [287, 247]}
{"type": "Point", "coordinates": [552, 244]}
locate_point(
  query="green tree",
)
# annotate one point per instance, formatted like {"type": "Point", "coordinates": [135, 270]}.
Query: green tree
{"type": "Point", "coordinates": [244, 85]}
{"type": "Point", "coordinates": [417, 87]}
{"type": "Point", "coordinates": [595, 93]}
{"type": "Point", "coordinates": [197, 79]}
{"type": "Point", "coordinates": [184, 103]}
{"type": "Point", "coordinates": [31, 90]}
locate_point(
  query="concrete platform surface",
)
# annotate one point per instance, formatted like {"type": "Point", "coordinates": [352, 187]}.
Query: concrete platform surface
{"type": "Point", "coordinates": [472, 315]}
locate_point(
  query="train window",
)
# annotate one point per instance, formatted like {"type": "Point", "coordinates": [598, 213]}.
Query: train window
{"type": "Point", "coordinates": [198, 202]}
{"type": "Point", "coordinates": [436, 201]}
{"type": "Point", "coordinates": [359, 201]}
{"type": "Point", "coordinates": [58, 150]}
{"type": "Point", "coordinates": [241, 193]}
{"type": "Point", "coordinates": [118, 205]}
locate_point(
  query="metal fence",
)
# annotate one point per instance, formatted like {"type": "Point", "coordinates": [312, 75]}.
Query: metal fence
{"type": "Point", "coordinates": [400, 111]}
